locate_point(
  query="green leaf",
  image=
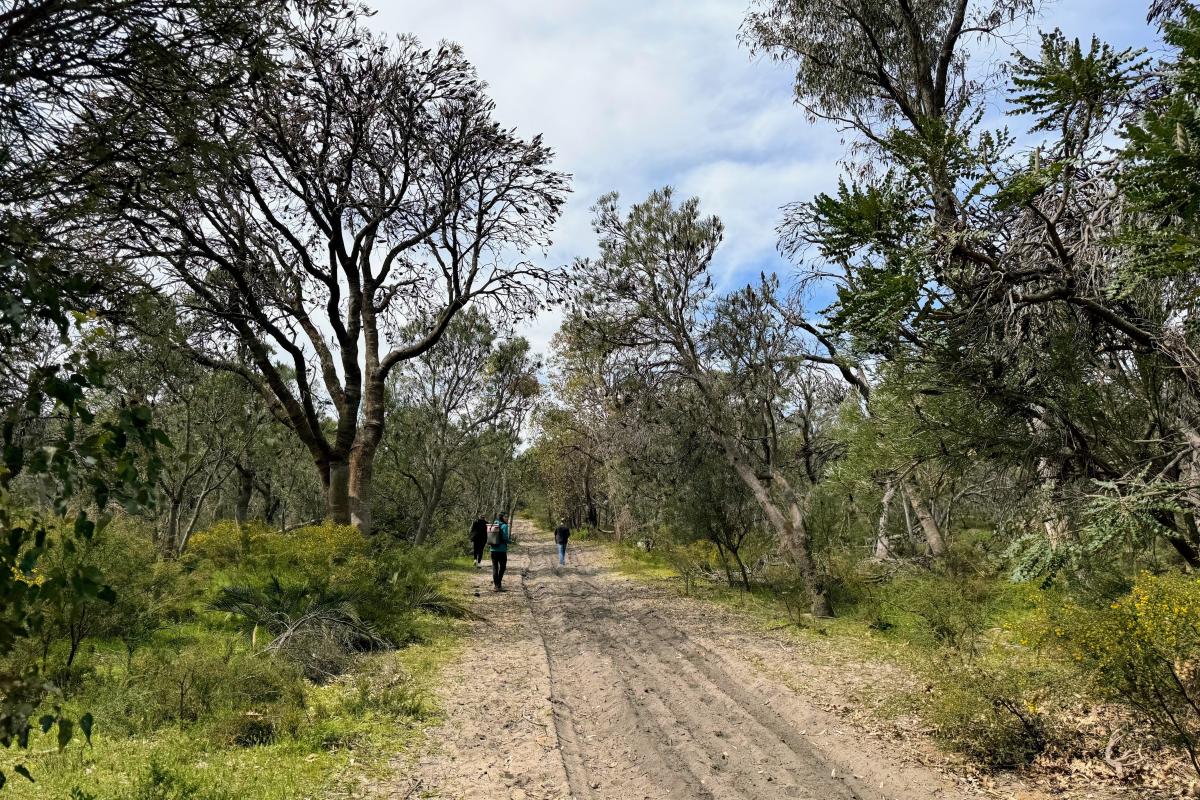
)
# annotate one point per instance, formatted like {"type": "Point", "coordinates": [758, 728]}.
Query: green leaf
{"type": "Point", "coordinates": [66, 729]}
{"type": "Point", "coordinates": [85, 725]}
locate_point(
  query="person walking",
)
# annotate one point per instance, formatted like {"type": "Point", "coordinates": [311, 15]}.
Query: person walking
{"type": "Point", "coordinates": [498, 538]}
{"type": "Point", "coordinates": [561, 534]}
{"type": "Point", "coordinates": [478, 539]}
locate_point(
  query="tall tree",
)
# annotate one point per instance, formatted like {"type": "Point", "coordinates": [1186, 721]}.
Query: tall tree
{"type": "Point", "coordinates": [650, 292]}
{"type": "Point", "coordinates": [456, 400]}
{"type": "Point", "coordinates": [363, 196]}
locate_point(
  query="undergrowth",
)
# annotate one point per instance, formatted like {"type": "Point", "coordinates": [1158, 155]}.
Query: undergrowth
{"type": "Point", "coordinates": [259, 666]}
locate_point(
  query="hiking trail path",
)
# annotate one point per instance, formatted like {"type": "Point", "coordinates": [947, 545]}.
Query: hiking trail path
{"type": "Point", "coordinates": [580, 683]}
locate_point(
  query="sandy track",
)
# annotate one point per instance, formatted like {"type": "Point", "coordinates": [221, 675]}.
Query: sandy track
{"type": "Point", "coordinates": [582, 685]}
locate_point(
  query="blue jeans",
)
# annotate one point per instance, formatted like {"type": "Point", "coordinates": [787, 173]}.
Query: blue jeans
{"type": "Point", "coordinates": [562, 552]}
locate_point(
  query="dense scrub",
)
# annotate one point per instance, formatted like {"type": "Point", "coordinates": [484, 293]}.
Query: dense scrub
{"type": "Point", "coordinates": [259, 665]}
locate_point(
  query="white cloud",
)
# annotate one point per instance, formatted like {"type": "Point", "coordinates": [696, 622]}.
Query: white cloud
{"type": "Point", "coordinates": [635, 94]}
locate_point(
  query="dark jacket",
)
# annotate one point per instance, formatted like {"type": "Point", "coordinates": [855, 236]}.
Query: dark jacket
{"type": "Point", "coordinates": [479, 530]}
{"type": "Point", "coordinates": [561, 534]}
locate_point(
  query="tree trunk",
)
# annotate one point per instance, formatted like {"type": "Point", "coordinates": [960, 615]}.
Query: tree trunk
{"type": "Point", "coordinates": [337, 492]}
{"type": "Point", "coordinates": [362, 458]}
{"type": "Point", "coordinates": [737, 557]}
{"type": "Point", "coordinates": [724, 561]}
{"type": "Point", "coordinates": [171, 534]}
{"type": "Point", "coordinates": [790, 529]}
{"type": "Point", "coordinates": [883, 544]}
{"type": "Point", "coordinates": [929, 526]}
{"type": "Point", "coordinates": [432, 500]}
{"type": "Point", "coordinates": [241, 510]}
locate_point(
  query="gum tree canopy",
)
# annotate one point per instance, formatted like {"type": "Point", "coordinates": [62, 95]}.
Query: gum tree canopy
{"type": "Point", "coordinates": [362, 195]}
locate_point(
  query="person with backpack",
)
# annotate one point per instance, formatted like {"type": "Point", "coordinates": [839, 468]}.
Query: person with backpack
{"type": "Point", "coordinates": [561, 534]}
{"type": "Point", "coordinates": [498, 539]}
{"type": "Point", "coordinates": [478, 539]}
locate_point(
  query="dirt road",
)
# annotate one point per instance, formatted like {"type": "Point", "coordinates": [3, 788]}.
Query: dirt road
{"type": "Point", "coordinates": [581, 684]}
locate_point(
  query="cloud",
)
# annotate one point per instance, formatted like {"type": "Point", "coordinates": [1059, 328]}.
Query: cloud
{"type": "Point", "coordinates": [634, 95]}
{"type": "Point", "coordinates": [637, 94]}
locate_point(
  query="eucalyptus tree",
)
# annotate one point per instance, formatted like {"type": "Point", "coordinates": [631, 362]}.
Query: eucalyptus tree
{"type": "Point", "coordinates": [649, 293]}
{"type": "Point", "coordinates": [458, 401]}
{"type": "Point", "coordinates": [976, 267]}
{"type": "Point", "coordinates": [68, 72]}
{"type": "Point", "coordinates": [362, 196]}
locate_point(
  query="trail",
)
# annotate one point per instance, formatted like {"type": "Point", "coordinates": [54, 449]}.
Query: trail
{"type": "Point", "coordinates": [581, 684]}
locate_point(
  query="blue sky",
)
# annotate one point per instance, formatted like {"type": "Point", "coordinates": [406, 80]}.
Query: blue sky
{"type": "Point", "coordinates": [636, 94]}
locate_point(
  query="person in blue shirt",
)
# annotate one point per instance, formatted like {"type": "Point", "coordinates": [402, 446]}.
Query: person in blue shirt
{"type": "Point", "coordinates": [499, 550]}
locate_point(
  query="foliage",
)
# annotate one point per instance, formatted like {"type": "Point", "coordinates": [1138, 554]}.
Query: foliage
{"type": "Point", "coordinates": [1142, 650]}
{"type": "Point", "coordinates": [991, 711]}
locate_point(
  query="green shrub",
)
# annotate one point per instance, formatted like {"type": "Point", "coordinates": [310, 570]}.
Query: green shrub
{"type": "Point", "coordinates": [313, 627]}
{"type": "Point", "coordinates": [226, 543]}
{"type": "Point", "coordinates": [954, 612]}
{"type": "Point", "coordinates": [166, 782]}
{"type": "Point", "coordinates": [689, 560]}
{"type": "Point", "coordinates": [859, 586]}
{"type": "Point", "coordinates": [402, 582]}
{"type": "Point", "coordinates": [196, 684]}
{"type": "Point", "coordinates": [335, 555]}
{"type": "Point", "coordinates": [1143, 650]}
{"type": "Point", "coordinates": [385, 686]}
{"type": "Point", "coordinates": [989, 713]}
{"type": "Point", "coordinates": [245, 729]}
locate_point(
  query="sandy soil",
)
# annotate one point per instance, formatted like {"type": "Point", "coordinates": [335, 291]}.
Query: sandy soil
{"type": "Point", "coordinates": [579, 683]}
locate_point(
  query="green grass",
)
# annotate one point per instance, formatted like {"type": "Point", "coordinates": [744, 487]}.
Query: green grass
{"type": "Point", "coordinates": [346, 732]}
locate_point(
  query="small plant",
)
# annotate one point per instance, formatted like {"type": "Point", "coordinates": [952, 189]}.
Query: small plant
{"type": "Point", "coordinates": [990, 713]}
{"type": "Point", "coordinates": [955, 612]}
{"type": "Point", "coordinates": [690, 561]}
{"type": "Point", "coordinates": [311, 626]}
{"type": "Point", "coordinates": [1144, 650]}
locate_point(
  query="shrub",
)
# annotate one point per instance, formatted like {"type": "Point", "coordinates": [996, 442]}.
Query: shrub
{"type": "Point", "coordinates": [196, 684]}
{"type": "Point", "coordinates": [953, 611]}
{"type": "Point", "coordinates": [990, 713]}
{"type": "Point", "coordinates": [861, 585]}
{"type": "Point", "coordinates": [690, 560]}
{"type": "Point", "coordinates": [325, 553]}
{"type": "Point", "coordinates": [245, 729]}
{"type": "Point", "coordinates": [313, 627]}
{"type": "Point", "coordinates": [402, 582]}
{"type": "Point", "coordinates": [1143, 650]}
{"type": "Point", "coordinates": [227, 543]}
{"type": "Point", "coordinates": [166, 782]}
{"type": "Point", "coordinates": [146, 593]}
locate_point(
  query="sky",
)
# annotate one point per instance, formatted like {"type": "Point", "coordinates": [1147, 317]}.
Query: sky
{"type": "Point", "coordinates": [634, 95]}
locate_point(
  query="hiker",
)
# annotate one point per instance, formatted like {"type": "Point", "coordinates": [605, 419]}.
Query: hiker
{"type": "Point", "coordinates": [561, 534]}
{"type": "Point", "coordinates": [478, 539]}
{"type": "Point", "coordinates": [498, 539]}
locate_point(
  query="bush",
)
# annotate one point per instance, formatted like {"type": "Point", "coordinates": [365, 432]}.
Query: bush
{"type": "Point", "coordinates": [227, 543]}
{"type": "Point", "coordinates": [326, 553]}
{"type": "Point", "coordinates": [401, 583]}
{"type": "Point", "coordinates": [315, 628]}
{"type": "Point", "coordinates": [1143, 650]}
{"type": "Point", "coordinates": [147, 593]}
{"type": "Point", "coordinates": [165, 782]}
{"type": "Point", "coordinates": [953, 611]}
{"type": "Point", "coordinates": [990, 713]}
{"type": "Point", "coordinates": [861, 585]}
{"type": "Point", "coordinates": [690, 560]}
{"type": "Point", "coordinates": [198, 683]}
